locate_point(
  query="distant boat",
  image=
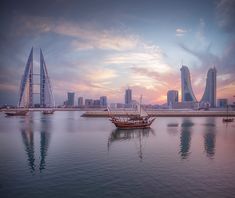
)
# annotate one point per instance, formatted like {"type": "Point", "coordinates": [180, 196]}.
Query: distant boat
{"type": "Point", "coordinates": [227, 119]}
{"type": "Point", "coordinates": [48, 111]}
{"type": "Point", "coordinates": [16, 112]}
{"type": "Point", "coordinates": [140, 121]}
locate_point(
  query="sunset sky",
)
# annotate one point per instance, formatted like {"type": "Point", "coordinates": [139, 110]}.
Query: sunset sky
{"type": "Point", "coordinates": [96, 48]}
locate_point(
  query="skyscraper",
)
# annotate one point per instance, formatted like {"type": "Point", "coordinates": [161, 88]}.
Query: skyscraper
{"type": "Point", "coordinates": [186, 88]}
{"type": "Point", "coordinates": [128, 97]}
{"type": "Point", "coordinates": [70, 101]}
{"type": "Point", "coordinates": [26, 95]}
{"type": "Point", "coordinates": [80, 101]}
{"type": "Point", "coordinates": [209, 95]}
{"type": "Point", "coordinates": [26, 85]}
{"type": "Point", "coordinates": [172, 97]}
{"type": "Point", "coordinates": [46, 96]}
{"type": "Point", "coordinates": [103, 101]}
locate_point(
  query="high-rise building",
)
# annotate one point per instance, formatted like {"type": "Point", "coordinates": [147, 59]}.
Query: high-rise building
{"type": "Point", "coordinates": [70, 101]}
{"type": "Point", "coordinates": [222, 102]}
{"type": "Point", "coordinates": [128, 97]}
{"type": "Point", "coordinates": [172, 97]}
{"type": "Point", "coordinates": [209, 95]}
{"type": "Point", "coordinates": [186, 88]}
{"type": "Point", "coordinates": [26, 92]}
{"type": "Point", "coordinates": [80, 101]}
{"type": "Point", "coordinates": [103, 101]}
{"type": "Point", "coordinates": [46, 95]}
{"type": "Point", "coordinates": [89, 102]}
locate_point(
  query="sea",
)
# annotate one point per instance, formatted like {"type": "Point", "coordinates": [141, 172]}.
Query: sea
{"type": "Point", "coordinates": [66, 155]}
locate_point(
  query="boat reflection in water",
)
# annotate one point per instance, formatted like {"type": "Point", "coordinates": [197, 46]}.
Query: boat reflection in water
{"type": "Point", "coordinates": [118, 135]}
{"type": "Point", "coordinates": [29, 140]}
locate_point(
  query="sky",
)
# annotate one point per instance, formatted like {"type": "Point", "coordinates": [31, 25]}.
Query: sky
{"type": "Point", "coordinates": [102, 47]}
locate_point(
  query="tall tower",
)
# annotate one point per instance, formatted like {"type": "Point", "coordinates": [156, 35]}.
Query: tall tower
{"type": "Point", "coordinates": [128, 96]}
{"type": "Point", "coordinates": [186, 88]}
{"type": "Point", "coordinates": [209, 95]}
{"type": "Point", "coordinates": [46, 96]}
{"type": "Point", "coordinates": [26, 85]}
{"type": "Point", "coordinates": [70, 101]}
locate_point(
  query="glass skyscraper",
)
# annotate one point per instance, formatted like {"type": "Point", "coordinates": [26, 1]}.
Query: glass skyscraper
{"type": "Point", "coordinates": [209, 95]}
{"type": "Point", "coordinates": [103, 101]}
{"type": "Point", "coordinates": [172, 97]}
{"type": "Point", "coordinates": [70, 101]}
{"type": "Point", "coordinates": [186, 88]}
{"type": "Point", "coordinates": [128, 97]}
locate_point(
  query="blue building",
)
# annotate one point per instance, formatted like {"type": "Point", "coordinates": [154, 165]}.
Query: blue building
{"type": "Point", "coordinates": [209, 95]}
{"type": "Point", "coordinates": [186, 87]}
{"type": "Point", "coordinates": [128, 97]}
{"type": "Point", "coordinates": [70, 101]}
{"type": "Point", "coordinates": [103, 101]}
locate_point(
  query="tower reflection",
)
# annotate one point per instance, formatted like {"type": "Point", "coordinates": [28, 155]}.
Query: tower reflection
{"type": "Point", "coordinates": [118, 135]}
{"type": "Point", "coordinates": [45, 137]}
{"type": "Point", "coordinates": [27, 132]}
{"type": "Point", "coordinates": [210, 137]}
{"type": "Point", "coordinates": [185, 137]}
{"type": "Point", "coordinates": [28, 141]}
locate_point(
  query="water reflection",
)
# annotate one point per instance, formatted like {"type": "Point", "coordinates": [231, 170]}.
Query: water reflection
{"type": "Point", "coordinates": [118, 135]}
{"type": "Point", "coordinates": [28, 141]}
{"type": "Point", "coordinates": [185, 137]}
{"type": "Point", "coordinates": [172, 128]}
{"type": "Point", "coordinates": [27, 132]}
{"type": "Point", "coordinates": [45, 136]}
{"type": "Point", "coordinates": [210, 137]}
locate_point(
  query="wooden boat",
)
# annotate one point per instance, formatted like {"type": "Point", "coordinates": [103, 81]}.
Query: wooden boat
{"type": "Point", "coordinates": [16, 112]}
{"type": "Point", "coordinates": [140, 121]}
{"type": "Point", "coordinates": [48, 111]}
{"type": "Point", "coordinates": [132, 123]}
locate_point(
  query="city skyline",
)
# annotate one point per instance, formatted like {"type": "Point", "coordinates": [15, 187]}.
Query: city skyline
{"type": "Point", "coordinates": [95, 49]}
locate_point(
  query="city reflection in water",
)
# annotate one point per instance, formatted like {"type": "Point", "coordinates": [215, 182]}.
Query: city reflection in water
{"type": "Point", "coordinates": [210, 137]}
{"type": "Point", "coordinates": [185, 137]}
{"type": "Point", "coordinates": [27, 132]}
{"type": "Point", "coordinates": [118, 135]}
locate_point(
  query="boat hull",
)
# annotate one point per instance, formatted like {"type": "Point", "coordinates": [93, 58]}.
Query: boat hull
{"type": "Point", "coordinates": [16, 113]}
{"type": "Point", "coordinates": [130, 124]}
{"type": "Point", "coordinates": [48, 112]}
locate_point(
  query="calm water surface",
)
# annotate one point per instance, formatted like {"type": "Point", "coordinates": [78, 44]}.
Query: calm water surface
{"type": "Point", "coordinates": [65, 155]}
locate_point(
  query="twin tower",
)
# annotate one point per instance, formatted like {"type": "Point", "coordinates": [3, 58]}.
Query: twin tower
{"type": "Point", "coordinates": [26, 92]}
{"type": "Point", "coordinates": [209, 96]}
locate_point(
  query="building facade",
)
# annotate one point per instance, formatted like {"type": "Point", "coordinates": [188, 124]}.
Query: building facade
{"type": "Point", "coordinates": [80, 101]}
{"type": "Point", "coordinates": [186, 87]}
{"type": "Point", "coordinates": [128, 97]}
{"type": "Point", "coordinates": [209, 95]}
{"type": "Point", "coordinates": [172, 97]}
{"type": "Point", "coordinates": [70, 101]}
{"type": "Point", "coordinates": [89, 102]}
{"type": "Point", "coordinates": [103, 101]}
{"type": "Point", "coordinates": [222, 102]}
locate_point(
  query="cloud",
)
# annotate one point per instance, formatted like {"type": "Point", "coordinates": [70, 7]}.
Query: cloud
{"type": "Point", "coordinates": [225, 14]}
{"type": "Point", "coordinates": [84, 37]}
{"type": "Point", "coordinates": [180, 32]}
